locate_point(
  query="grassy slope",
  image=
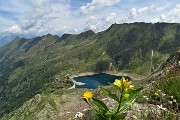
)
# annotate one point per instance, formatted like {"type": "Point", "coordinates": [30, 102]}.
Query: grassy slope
{"type": "Point", "coordinates": [31, 66]}
{"type": "Point", "coordinates": [164, 90]}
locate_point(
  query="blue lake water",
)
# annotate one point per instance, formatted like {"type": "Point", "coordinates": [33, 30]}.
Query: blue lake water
{"type": "Point", "coordinates": [93, 81]}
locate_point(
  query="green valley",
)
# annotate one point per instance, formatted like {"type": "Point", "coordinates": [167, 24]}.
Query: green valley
{"type": "Point", "coordinates": [29, 67]}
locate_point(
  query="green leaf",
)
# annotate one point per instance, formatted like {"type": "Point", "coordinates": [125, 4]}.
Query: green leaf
{"type": "Point", "coordinates": [125, 105]}
{"type": "Point", "coordinates": [126, 96]}
{"type": "Point", "coordinates": [100, 105]}
{"type": "Point", "coordinates": [132, 93]}
{"type": "Point", "coordinates": [130, 98]}
{"type": "Point", "coordinates": [110, 94]}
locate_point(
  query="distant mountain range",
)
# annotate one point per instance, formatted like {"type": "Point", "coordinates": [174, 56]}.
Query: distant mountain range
{"type": "Point", "coordinates": [31, 66]}
{"type": "Point", "coordinates": [6, 39]}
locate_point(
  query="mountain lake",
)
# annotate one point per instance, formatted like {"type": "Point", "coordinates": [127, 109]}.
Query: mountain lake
{"type": "Point", "coordinates": [93, 81]}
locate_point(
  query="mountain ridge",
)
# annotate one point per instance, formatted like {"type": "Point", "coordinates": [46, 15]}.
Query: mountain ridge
{"type": "Point", "coordinates": [54, 103]}
{"type": "Point", "coordinates": [30, 66]}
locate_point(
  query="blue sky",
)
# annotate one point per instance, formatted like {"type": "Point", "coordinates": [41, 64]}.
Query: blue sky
{"type": "Point", "coordinates": [38, 17]}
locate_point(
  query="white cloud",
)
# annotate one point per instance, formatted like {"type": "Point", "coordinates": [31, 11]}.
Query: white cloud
{"type": "Point", "coordinates": [133, 13]}
{"type": "Point", "coordinates": [105, 2]}
{"type": "Point", "coordinates": [14, 29]}
{"type": "Point", "coordinates": [92, 17]}
{"type": "Point", "coordinates": [95, 26]}
{"type": "Point", "coordinates": [41, 20]}
{"type": "Point", "coordinates": [97, 4]}
{"type": "Point", "coordinates": [58, 16]}
{"type": "Point", "coordinates": [172, 16]}
{"type": "Point", "coordinates": [111, 17]}
{"type": "Point", "coordinates": [39, 2]}
{"type": "Point", "coordinates": [92, 24]}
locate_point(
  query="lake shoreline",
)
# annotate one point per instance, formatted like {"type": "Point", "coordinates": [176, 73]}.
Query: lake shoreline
{"type": "Point", "coordinates": [133, 76]}
{"type": "Point", "coordinates": [74, 83]}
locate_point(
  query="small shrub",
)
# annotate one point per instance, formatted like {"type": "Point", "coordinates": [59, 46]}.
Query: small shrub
{"type": "Point", "coordinates": [102, 66]}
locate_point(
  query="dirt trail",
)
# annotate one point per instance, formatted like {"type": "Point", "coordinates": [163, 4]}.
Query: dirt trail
{"type": "Point", "coordinates": [74, 104]}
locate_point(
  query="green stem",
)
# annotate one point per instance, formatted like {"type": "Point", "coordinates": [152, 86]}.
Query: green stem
{"type": "Point", "coordinates": [119, 106]}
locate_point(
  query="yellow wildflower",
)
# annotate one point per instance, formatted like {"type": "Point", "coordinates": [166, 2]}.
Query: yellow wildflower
{"type": "Point", "coordinates": [117, 83]}
{"type": "Point", "coordinates": [69, 119]}
{"type": "Point", "coordinates": [128, 84]}
{"type": "Point", "coordinates": [87, 95]}
{"type": "Point", "coordinates": [123, 83]}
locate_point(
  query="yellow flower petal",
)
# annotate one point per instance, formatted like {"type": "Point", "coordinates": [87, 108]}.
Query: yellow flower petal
{"type": "Point", "coordinates": [123, 83]}
{"type": "Point", "coordinates": [117, 83]}
{"type": "Point", "coordinates": [87, 95]}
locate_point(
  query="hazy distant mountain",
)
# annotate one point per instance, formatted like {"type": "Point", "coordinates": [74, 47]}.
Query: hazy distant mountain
{"type": "Point", "coordinates": [6, 39]}
{"type": "Point", "coordinates": [30, 66]}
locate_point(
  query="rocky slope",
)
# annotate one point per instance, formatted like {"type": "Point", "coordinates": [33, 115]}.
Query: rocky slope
{"type": "Point", "coordinates": [172, 64]}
